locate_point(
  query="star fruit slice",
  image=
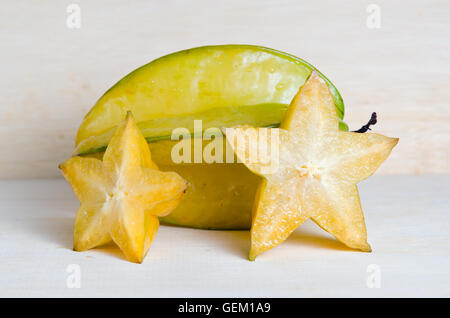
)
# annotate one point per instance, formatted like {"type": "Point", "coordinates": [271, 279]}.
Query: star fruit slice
{"type": "Point", "coordinates": [122, 195]}
{"type": "Point", "coordinates": [310, 170]}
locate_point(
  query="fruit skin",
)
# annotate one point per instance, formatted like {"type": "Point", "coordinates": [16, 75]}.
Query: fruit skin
{"type": "Point", "coordinates": [231, 80]}
{"type": "Point", "coordinates": [314, 173]}
{"type": "Point", "coordinates": [122, 195]}
{"type": "Point", "coordinates": [232, 196]}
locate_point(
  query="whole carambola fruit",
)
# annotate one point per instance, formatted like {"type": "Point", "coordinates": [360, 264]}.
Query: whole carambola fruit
{"type": "Point", "coordinates": [223, 86]}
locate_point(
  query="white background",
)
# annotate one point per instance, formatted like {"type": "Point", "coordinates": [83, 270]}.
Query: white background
{"type": "Point", "coordinates": [52, 75]}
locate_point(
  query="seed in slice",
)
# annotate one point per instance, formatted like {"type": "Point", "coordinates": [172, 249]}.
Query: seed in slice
{"type": "Point", "coordinates": [314, 172]}
{"type": "Point", "coordinates": [122, 195]}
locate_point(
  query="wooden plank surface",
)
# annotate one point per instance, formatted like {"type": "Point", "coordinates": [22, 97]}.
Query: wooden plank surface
{"type": "Point", "coordinates": [408, 234]}
{"type": "Point", "coordinates": [52, 75]}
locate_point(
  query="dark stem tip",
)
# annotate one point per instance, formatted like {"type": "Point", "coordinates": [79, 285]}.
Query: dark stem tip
{"type": "Point", "coordinates": [366, 127]}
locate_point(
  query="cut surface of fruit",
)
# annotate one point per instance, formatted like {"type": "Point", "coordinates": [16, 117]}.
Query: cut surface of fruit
{"type": "Point", "coordinates": [219, 196]}
{"type": "Point", "coordinates": [122, 195]}
{"type": "Point", "coordinates": [314, 172]}
{"type": "Point", "coordinates": [222, 86]}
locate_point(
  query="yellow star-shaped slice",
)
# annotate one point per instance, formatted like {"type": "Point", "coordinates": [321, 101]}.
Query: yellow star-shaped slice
{"type": "Point", "coordinates": [122, 195]}
{"type": "Point", "coordinates": [310, 170]}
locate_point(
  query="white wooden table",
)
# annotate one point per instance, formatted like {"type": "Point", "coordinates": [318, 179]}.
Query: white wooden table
{"type": "Point", "coordinates": [408, 222]}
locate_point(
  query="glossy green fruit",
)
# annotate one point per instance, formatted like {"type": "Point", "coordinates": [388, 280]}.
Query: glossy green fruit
{"type": "Point", "coordinates": [221, 85]}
